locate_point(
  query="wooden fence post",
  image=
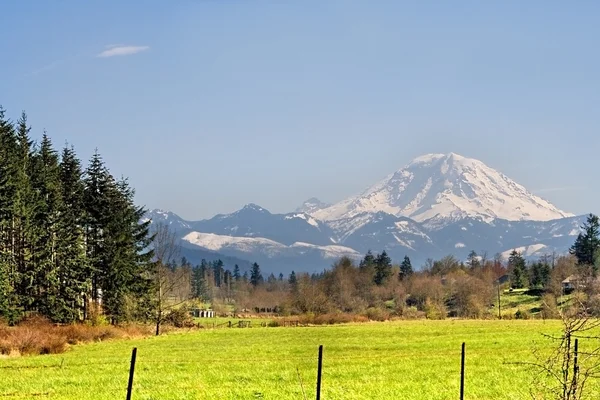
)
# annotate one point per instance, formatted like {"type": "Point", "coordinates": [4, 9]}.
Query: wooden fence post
{"type": "Point", "coordinates": [131, 371]}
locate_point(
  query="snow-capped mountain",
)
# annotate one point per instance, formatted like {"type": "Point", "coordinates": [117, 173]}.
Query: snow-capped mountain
{"type": "Point", "coordinates": [166, 217]}
{"type": "Point", "coordinates": [256, 222]}
{"type": "Point", "coordinates": [274, 255]}
{"type": "Point", "coordinates": [437, 205]}
{"type": "Point", "coordinates": [446, 187]}
{"type": "Point", "coordinates": [311, 206]}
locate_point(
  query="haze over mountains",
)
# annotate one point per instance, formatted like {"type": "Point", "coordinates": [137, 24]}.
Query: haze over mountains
{"type": "Point", "coordinates": [438, 204]}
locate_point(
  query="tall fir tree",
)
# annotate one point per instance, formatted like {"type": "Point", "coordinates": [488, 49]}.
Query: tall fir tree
{"type": "Point", "coordinates": [98, 185]}
{"type": "Point", "coordinates": [256, 277]}
{"type": "Point", "coordinates": [9, 301]}
{"type": "Point", "coordinates": [519, 270]}
{"type": "Point", "coordinates": [587, 245]}
{"type": "Point", "coordinates": [406, 269]}
{"type": "Point", "coordinates": [71, 263]}
{"type": "Point", "coordinates": [383, 268]}
{"type": "Point", "coordinates": [368, 261]}
{"type": "Point", "coordinates": [45, 182]}
{"type": "Point", "coordinates": [473, 260]}
{"type": "Point", "coordinates": [25, 202]}
{"type": "Point", "coordinates": [293, 280]}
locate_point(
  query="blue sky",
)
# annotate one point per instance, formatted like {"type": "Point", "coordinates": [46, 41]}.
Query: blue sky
{"type": "Point", "coordinates": [209, 105]}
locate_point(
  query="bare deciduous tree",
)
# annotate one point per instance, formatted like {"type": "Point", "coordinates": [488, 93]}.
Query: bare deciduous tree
{"type": "Point", "coordinates": [563, 374]}
{"type": "Point", "coordinates": [167, 282]}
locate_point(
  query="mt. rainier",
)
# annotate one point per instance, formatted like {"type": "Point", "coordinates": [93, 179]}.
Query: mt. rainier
{"type": "Point", "coordinates": [438, 204]}
{"type": "Point", "coordinates": [446, 187]}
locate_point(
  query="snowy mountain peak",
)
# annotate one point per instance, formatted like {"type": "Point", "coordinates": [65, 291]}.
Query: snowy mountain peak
{"type": "Point", "coordinates": [312, 205]}
{"type": "Point", "coordinates": [253, 208]}
{"type": "Point", "coordinates": [446, 186]}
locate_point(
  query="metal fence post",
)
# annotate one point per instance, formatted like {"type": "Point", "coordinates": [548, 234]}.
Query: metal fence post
{"type": "Point", "coordinates": [462, 373]}
{"type": "Point", "coordinates": [131, 371]}
{"type": "Point", "coordinates": [319, 371]}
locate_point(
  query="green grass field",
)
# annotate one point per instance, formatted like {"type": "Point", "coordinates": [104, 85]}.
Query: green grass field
{"type": "Point", "coordinates": [394, 360]}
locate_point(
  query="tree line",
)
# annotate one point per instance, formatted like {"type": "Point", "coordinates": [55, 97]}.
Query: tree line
{"type": "Point", "coordinates": [71, 240]}
{"type": "Point", "coordinates": [377, 287]}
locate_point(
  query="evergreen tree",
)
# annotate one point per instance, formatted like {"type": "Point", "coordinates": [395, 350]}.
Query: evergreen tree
{"type": "Point", "coordinates": [128, 267]}
{"type": "Point", "coordinates": [368, 261]}
{"type": "Point", "coordinates": [200, 287]}
{"type": "Point", "coordinates": [24, 231]}
{"type": "Point", "coordinates": [519, 269]}
{"type": "Point", "coordinates": [218, 272]}
{"type": "Point", "coordinates": [280, 277]}
{"type": "Point", "coordinates": [236, 273]}
{"type": "Point", "coordinates": [99, 185]}
{"type": "Point", "coordinates": [293, 281]}
{"type": "Point", "coordinates": [71, 263]}
{"type": "Point", "coordinates": [405, 268]}
{"type": "Point", "coordinates": [587, 245]}
{"type": "Point", "coordinates": [256, 277]}
{"type": "Point", "coordinates": [539, 274]}
{"type": "Point", "coordinates": [9, 301]}
{"type": "Point", "coordinates": [473, 260]}
{"type": "Point", "coordinates": [383, 268]}
{"type": "Point", "coordinates": [45, 181]}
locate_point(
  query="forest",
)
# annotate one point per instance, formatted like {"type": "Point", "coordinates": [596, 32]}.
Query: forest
{"type": "Point", "coordinates": [71, 240]}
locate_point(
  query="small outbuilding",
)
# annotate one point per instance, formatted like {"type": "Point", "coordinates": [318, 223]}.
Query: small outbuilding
{"type": "Point", "coordinates": [200, 313]}
{"type": "Point", "coordinates": [572, 282]}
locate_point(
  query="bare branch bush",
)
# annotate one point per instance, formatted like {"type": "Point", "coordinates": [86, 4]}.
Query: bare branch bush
{"type": "Point", "coordinates": [562, 373]}
{"type": "Point", "coordinates": [170, 285]}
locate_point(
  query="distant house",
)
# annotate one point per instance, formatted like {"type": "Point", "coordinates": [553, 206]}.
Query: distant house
{"type": "Point", "coordinates": [503, 279]}
{"type": "Point", "coordinates": [572, 282]}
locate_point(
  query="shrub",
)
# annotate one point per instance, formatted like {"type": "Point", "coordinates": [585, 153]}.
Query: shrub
{"type": "Point", "coordinates": [549, 308]}
{"type": "Point", "coordinates": [180, 318]}
{"type": "Point", "coordinates": [435, 310]}
{"type": "Point", "coordinates": [333, 318]}
{"type": "Point", "coordinates": [522, 314]}
{"type": "Point", "coordinates": [377, 314]}
{"type": "Point", "coordinates": [412, 313]}
{"type": "Point", "coordinates": [37, 335]}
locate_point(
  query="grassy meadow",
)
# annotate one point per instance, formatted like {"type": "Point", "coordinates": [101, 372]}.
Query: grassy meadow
{"type": "Point", "coordinates": [389, 360]}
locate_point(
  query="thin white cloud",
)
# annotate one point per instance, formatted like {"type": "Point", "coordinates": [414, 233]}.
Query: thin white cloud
{"type": "Point", "coordinates": [120, 50]}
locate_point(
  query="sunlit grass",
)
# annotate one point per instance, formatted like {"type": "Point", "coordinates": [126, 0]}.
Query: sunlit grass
{"type": "Point", "coordinates": [394, 360]}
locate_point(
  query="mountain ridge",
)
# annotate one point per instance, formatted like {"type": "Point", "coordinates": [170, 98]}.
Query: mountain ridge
{"type": "Point", "coordinates": [455, 205]}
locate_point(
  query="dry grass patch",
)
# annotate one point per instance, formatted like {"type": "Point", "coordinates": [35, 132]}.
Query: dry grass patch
{"type": "Point", "coordinates": [37, 335]}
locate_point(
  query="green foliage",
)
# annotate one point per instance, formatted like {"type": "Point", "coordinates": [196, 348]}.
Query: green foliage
{"type": "Point", "coordinates": [539, 274]}
{"type": "Point", "coordinates": [406, 269]}
{"type": "Point", "coordinates": [383, 268]}
{"type": "Point", "coordinates": [180, 318]}
{"type": "Point", "coordinates": [255, 276]}
{"type": "Point", "coordinates": [67, 239]}
{"type": "Point", "coordinates": [519, 269]}
{"type": "Point", "coordinates": [587, 245]}
{"type": "Point", "coordinates": [473, 259]}
{"type": "Point", "coordinates": [293, 281]}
